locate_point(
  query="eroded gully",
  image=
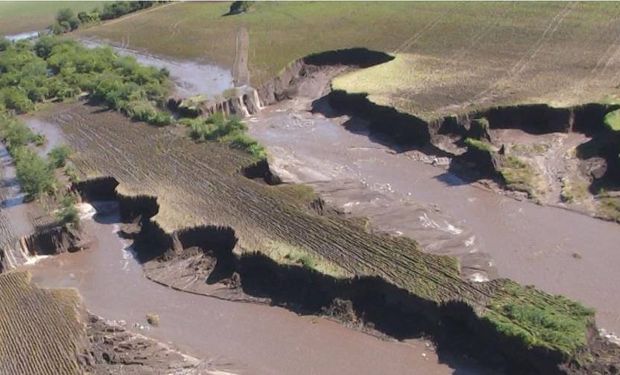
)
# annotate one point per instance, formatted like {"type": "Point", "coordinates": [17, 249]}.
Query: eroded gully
{"type": "Point", "coordinates": [557, 250]}
{"type": "Point", "coordinates": [236, 337]}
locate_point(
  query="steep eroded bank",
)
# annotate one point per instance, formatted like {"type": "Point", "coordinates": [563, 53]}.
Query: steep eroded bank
{"type": "Point", "coordinates": [367, 175]}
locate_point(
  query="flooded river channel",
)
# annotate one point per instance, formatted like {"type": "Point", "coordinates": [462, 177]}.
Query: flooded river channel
{"type": "Point", "coordinates": [237, 337]}
{"type": "Point", "coordinates": [557, 250]}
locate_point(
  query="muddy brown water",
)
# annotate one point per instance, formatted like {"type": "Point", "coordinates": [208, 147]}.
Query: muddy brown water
{"type": "Point", "coordinates": [557, 250]}
{"type": "Point", "coordinates": [237, 337]}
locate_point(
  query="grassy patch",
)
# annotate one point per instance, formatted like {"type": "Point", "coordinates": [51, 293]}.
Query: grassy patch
{"type": "Point", "coordinates": [479, 145]}
{"type": "Point", "coordinates": [288, 254]}
{"type": "Point", "coordinates": [574, 191]}
{"type": "Point", "coordinates": [58, 156]}
{"type": "Point", "coordinates": [67, 214]}
{"type": "Point", "coordinates": [612, 120]}
{"type": "Point", "coordinates": [539, 319]}
{"type": "Point", "coordinates": [519, 175]}
{"type": "Point", "coordinates": [609, 207]}
{"type": "Point", "coordinates": [231, 131]}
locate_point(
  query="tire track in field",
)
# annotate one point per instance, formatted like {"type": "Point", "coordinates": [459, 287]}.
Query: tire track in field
{"type": "Point", "coordinates": [526, 59]}
{"type": "Point", "coordinates": [478, 36]}
{"type": "Point", "coordinates": [610, 27]}
{"type": "Point", "coordinates": [427, 28]}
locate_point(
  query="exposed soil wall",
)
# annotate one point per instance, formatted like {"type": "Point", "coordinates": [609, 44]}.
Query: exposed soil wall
{"type": "Point", "coordinates": [406, 130]}
{"type": "Point", "coordinates": [283, 86]}
{"type": "Point", "coordinates": [261, 171]}
{"type": "Point", "coordinates": [54, 239]}
{"type": "Point", "coordinates": [383, 120]}
{"type": "Point", "coordinates": [244, 101]}
{"type": "Point", "coordinates": [369, 302]}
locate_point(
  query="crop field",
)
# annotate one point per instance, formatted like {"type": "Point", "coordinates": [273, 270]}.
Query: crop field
{"type": "Point", "coordinates": [24, 16]}
{"type": "Point", "coordinates": [201, 184]}
{"type": "Point", "coordinates": [40, 332]}
{"type": "Point", "coordinates": [451, 57]}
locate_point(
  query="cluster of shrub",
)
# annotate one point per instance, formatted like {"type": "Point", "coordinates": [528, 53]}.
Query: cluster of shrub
{"type": "Point", "coordinates": [228, 130]}
{"type": "Point", "coordinates": [35, 173]}
{"type": "Point", "coordinates": [66, 19]}
{"type": "Point", "coordinates": [238, 7]}
{"type": "Point", "coordinates": [53, 69]}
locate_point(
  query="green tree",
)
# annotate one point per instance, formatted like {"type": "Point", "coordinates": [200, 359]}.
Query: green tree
{"type": "Point", "coordinates": [34, 174]}
{"type": "Point", "coordinates": [58, 156]}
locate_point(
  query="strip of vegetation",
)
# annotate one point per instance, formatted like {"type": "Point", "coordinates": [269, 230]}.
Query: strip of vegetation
{"type": "Point", "coordinates": [35, 174]}
{"type": "Point", "coordinates": [218, 128]}
{"type": "Point", "coordinates": [540, 319]}
{"type": "Point", "coordinates": [518, 175]}
{"type": "Point", "coordinates": [55, 70]}
{"type": "Point", "coordinates": [479, 145]}
{"type": "Point", "coordinates": [67, 21]}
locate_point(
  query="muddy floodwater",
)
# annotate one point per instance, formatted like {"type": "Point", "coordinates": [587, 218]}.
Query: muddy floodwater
{"type": "Point", "coordinates": [237, 337]}
{"type": "Point", "coordinates": [560, 251]}
{"type": "Point", "coordinates": [190, 78]}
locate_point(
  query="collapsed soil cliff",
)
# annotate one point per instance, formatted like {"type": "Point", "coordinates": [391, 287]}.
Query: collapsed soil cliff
{"type": "Point", "coordinates": [207, 260]}
{"type": "Point", "coordinates": [54, 239]}
{"type": "Point", "coordinates": [536, 161]}
{"type": "Point", "coordinates": [285, 84]}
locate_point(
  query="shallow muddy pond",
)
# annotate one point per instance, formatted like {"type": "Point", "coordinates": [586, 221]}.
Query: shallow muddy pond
{"type": "Point", "coordinates": [240, 337]}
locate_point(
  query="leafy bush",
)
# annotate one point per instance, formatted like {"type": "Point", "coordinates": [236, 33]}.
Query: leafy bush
{"type": "Point", "coordinates": [16, 134]}
{"type": "Point", "coordinates": [34, 174]}
{"type": "Point", "coordinates": [89, 17]}
{"type": "Point", "coordinates": [68, 214]}
{"type": "Point", "coordinates": [120, 8]}
{"type": "Point", "coordinates": [57, 157]}
{"type": "Point", "coordinates": [16, 99]}
{"type": "Point", "coordinates": [71, 173]}
{"type": "Point", "coordinates": [38, 139]}
{"type": "Point", "coordinates": [218, 128]}
{"type": "Point", "coordinates": [238, 7]}
{"type": "Point", "coordinates": [4, 44]}
{"type": "Point", "coordinates": [142, 110]}
{"type": "Point", "coordinates": [65, 21]}
{"type": "Point", "coordinates": [245, 142]}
